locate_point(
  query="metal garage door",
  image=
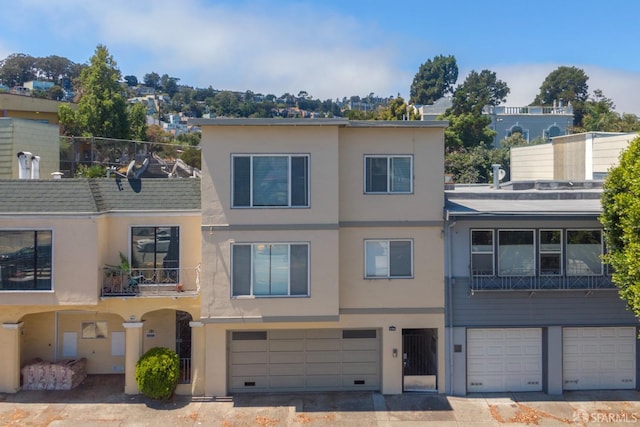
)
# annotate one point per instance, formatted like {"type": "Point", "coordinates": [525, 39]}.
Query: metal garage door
{"type": "Point", "coordinates": [504, 360]}
{"type": "Point", "coordinates": [599, 358]}
{"type": "Point", "coordinates": [310, 360]}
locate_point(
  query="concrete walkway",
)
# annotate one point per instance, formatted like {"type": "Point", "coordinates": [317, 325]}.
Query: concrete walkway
{"type": "Point", "coordinates": [100, 402]}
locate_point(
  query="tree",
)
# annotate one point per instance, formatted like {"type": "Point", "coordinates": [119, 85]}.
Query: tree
{"type": "Point", "coordinates": [620, 219]}
{"type": "Point", "coordinates": [131, 80]}
{"type": "Point", "coordinates": [472, 165]}
{"type": "Point", "coordinates": [102, 108]}
{"type": "Point", "coordinates": [477, 91]}
{"type": "Point", "coordinates": [434, 79]}
{"type": "Point", "coordinates": [152, 80]}
{"type": "Point", "coordinates": [16, 69]}
{"type": "Point", "coordinates": [396, 110]}
{"type": "Point", "coordinates": [169, 84]}
{"type": "Point", "coordinates": [137, 122]}
{"type": "Point", "coordinates": [565, 84]}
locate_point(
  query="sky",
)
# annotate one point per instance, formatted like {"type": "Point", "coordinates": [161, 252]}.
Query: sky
{"type": "Point", "coordinates": [337, 48]}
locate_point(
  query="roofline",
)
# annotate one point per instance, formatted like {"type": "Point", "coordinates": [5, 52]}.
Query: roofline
{"type": "Point", "coordinates": [341, 122]}
{"type": "Point", "coordinates": [587, 214]}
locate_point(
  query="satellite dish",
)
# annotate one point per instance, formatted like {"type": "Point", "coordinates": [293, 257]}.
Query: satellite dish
{"type": "Point", "coordinates": [501, 174]}
{"type": "Point", "coordinates": [143, 168]}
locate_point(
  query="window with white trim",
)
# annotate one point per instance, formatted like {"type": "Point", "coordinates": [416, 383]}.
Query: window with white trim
{"type": "Point", "coordinates": [482, 252]}
{"type": "Point", "coordinates": [270, 269]}
{"type": "Point", "coordinates": [550, 252]}
{"type": "Point", "coordinates": [388, 174]}
{"type": "Point", "coordinates": [584, 250]}
{"type": "Point", "coordinates": [516, 253]}
{"type": "Point", "coordinates": [388, 258]}
{"type": "Point", "coordinates": [541, 252]}
{"type": "Point", "coordinates": [270, 181]}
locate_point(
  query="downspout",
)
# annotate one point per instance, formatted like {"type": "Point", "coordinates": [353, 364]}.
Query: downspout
{"type": "Point", "coordinates": [448, 256]}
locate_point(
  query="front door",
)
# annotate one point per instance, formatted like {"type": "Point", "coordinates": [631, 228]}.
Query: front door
{"type": "Point", "coordinates": [419, 359]}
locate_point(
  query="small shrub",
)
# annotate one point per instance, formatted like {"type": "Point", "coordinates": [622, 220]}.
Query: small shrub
{"type": "Point", "coordinates": [157, 373]}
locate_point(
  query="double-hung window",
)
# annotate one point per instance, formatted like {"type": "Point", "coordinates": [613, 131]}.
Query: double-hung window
{"type": "Point", "coordinates": [25, 260]}
{"type": "Point", "coordinates": [155, 252]}
{"type": "Point", "coordinates": [270, 269]}
{"type": "Point", "coordinates": [270, 181]}
{"type": "Point", "coordinates": [388, 174]}
{"type": "Point", "coordinates": [550, 252]}
{"type": "Point", "coordinates": [482, 252]}
{"type": "Point", "coordinates": [388, 258]}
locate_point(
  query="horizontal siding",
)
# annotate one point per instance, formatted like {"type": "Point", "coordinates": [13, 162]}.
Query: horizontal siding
{"type": "Point", "coordinates": [518, 308]}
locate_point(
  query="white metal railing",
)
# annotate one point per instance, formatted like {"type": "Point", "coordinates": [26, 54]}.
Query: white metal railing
{"type": "Point", "coordinates": [540, 282]}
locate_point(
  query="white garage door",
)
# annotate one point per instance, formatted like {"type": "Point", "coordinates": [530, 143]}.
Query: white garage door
{"type": "Point", "coordinates": [599, 358]}
{"type": "Point", "coordinates": [309, 360]}
{"type": "Point", "coordinates": [504, 360]}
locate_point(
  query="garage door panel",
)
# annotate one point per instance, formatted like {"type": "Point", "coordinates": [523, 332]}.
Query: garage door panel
{"type": "Point", "coordinates": [599, 358]}
{"type": "Point", "coordinates": [322, 369]}
{"type": "Point", "coordinates": [361, 382]}
{"type": "Point", "coordinates": [251, 346]}
{"type": "Point", "coordinates": [249, 370]}
{"type": "Point", "coordinates": [249, 358]}
{"type": "Point", "coordinates": [286, 334]}
{"type": "Point", "coordinates": [360, 368]}
{"type": "Point", "coordinates": [359, 356]}
{"type": "Point", "coordinates": [286, 357]}
{"type": "Point", "coordinates": [286, 345]}
{"type": "Point", "coordinates": [504, 360]}
{"type": "Point", "coordinates": [287, 369]}
{"type": "Point", "coordinates": [324, 333]}
{"type": "Point", "coordinates": [249, 383]}
{"type": "Point", "coordinates": [359, 344]}
{"type": "Point", "coordinates": [323, 344]}
{"type": "Point", "coordinates": [323, 356]}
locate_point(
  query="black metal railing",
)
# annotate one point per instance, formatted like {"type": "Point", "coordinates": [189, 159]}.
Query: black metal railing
{"type": "Point", "coordinates": [185, 371]}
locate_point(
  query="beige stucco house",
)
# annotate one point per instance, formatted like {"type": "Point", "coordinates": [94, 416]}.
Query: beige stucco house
{"type": "Point", "coordinates": [60, 300]}
{"type": "Point", "coordinates": [322, 255]}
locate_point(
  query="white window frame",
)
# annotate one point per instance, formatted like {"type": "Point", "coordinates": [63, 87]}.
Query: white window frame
{"type": "Point", "coordinates": [542, 251]}
{"type": "Point", "coordinates": [251, 293]}
{"type": "Point", "coordinates": [289, 156]}
{"type": "Point", "coordinates": [568, 270]}
{"type": "Point", "coordinates": [481, 252]}
{"type": "Point", "coordinates": [388, 259]}
{"type": "Point", "coordinates": [388, 157]}
{"type": "Point", "coordinates": [534, 269]}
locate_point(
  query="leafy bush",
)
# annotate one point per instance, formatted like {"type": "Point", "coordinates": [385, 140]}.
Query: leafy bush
{"type": "Point", "coordinates": [157, 373]}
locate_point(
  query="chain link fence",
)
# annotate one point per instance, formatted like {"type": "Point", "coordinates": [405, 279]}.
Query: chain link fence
{"type": "Point", "coordinates": [116, 155]}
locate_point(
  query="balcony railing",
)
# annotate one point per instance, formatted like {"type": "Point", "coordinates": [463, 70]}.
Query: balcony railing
{"type": "Point", "coordinates": [541, 283]}
{"type": "Point", "coordinates": [150, 281]}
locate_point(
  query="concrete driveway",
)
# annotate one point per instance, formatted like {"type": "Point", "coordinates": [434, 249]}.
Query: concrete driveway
{"type": "Point", "coordinates": [99, 401]}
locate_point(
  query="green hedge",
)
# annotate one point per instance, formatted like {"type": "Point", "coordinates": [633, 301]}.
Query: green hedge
{"type": "Point", "coordinates": [157, 373]}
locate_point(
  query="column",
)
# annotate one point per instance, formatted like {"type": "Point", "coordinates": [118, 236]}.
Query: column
{"type": "Point", "coordinates": [197, 358]}
{"type": "Point", "coordinates": [10, 368]}
{"type": "Point", "coordinates": [554, 360]}
{"type": "Point", "coordinates": [133, 351]}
